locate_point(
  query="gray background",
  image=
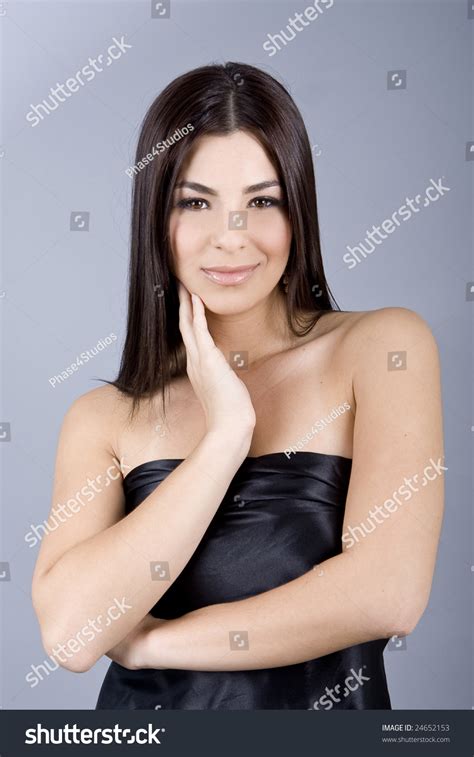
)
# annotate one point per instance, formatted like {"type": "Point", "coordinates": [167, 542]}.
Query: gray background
{"type": "Point", "coordinates": [61, 291]}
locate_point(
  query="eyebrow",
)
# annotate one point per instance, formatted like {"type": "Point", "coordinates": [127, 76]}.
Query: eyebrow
{"type": "Point", "coordinates": [207, 190]}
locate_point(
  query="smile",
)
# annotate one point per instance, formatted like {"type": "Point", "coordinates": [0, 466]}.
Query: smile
{"type": "Point", "coordinates": [228, 275]}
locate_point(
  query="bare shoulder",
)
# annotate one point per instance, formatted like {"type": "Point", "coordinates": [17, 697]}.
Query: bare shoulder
{"type": "Point", "coordinates": [362, 346]}
{"type": "Point", "coordinates": [389, 339]}
{"type": "Point", "coordinates": [101, 412]}
{"type": "Point", "coordinates": [101, 402]}
{"type": "Point", "coordinates": [395, 327]}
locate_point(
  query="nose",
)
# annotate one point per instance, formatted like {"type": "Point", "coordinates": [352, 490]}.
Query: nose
{"type": "Point", "coordinates": [232, 232]}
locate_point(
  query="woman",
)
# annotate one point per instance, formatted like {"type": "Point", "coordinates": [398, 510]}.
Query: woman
{"type": "Point", "coordinates": [276, 523]}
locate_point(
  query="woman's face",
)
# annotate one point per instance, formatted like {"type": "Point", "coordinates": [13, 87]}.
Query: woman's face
{"type": "Point", "coordinates": [229, 213]}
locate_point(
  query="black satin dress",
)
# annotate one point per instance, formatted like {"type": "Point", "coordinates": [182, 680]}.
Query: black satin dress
{"type": "Point", "coordinates": [279, 518]}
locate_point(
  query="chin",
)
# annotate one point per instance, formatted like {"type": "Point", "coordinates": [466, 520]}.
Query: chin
{"type": "Point", "coordinates": [229, 302]}
{"type": "Point", "coordinates": [226, 308]}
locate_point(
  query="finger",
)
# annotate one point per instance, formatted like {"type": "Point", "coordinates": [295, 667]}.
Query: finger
{"type": "Point", "coordinates": [202, 336]}
{"type": "Point", "coordinates": [206, 344]}
{"type": "Point", "coordinates": [186, 322]}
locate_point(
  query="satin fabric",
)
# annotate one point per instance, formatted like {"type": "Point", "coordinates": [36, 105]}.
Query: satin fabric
{"type": "Point", "coordinates": [279, 518]}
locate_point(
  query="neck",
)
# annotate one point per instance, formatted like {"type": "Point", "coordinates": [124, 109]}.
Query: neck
{"type": "Point", "coordinates": [259, 332]}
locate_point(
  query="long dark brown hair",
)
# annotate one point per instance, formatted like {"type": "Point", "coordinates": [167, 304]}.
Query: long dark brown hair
{"type": "Point", "coordinates": [218, 100]}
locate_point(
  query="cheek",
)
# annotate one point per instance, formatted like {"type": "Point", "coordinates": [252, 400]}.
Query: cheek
{"type": "Point", "coordinates": [272, 233]}
{"type": "Point", "coordinates": [186, 236]}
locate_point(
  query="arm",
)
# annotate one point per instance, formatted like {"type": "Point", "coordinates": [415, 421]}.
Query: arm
{"type": "Point", "coordinates": [97, 558]}
{"type": "Point", "coordinates": [93, 582]}
{"type": "Point", "coordinates": [380, 584]}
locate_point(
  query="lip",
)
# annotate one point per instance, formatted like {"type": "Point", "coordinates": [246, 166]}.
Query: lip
{"type": "Point", "coordinates": [229, 275]}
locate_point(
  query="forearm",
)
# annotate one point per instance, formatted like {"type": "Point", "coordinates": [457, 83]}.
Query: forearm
{"type": "Point", "coordinates": [116, 563]}
{"type": "Point", "coordinates": [324, 610]}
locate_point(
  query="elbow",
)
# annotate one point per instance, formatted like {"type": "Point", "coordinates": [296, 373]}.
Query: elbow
{"type": "Point", "coordinates": [66, 655]}
{"type": "Point", "coordinates": [77, 664]}
{"type": "Point", "coordinates": [65, 652]}
{"type": "Point", "coordinates": [402, 625]}
{"type": "Point", "coordinates": [413, 617]}
{"type": "Point", "coordinates": [71, 654]}
{"type": "Point", "coordinates": [403, 616]}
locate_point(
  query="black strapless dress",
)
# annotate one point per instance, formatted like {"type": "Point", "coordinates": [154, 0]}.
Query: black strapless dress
{"type": "Point", "coordinates": [279, 518]}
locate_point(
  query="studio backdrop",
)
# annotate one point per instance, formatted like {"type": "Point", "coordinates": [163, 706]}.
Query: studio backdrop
{"type": "Point", "coordinates": [385, 90]}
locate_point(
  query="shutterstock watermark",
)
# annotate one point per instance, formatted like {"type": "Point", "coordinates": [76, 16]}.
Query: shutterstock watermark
{"type": "Point", "coordinates": [318, 426]}
{"type": "Point", "coordinates": [74, 734]}
{"type": "Point", "coordinates": [62, 92]}
{"type": "Point", "coordinates": [353, 534]}
{"type": "Point", "coordinates": [389, 225]}
{"type": "Point", "coordinates": [310, 14]}
{"type": "Point", "coordinates": [83, 358]}
{"type": "Point", "coordinates": [64, 652]}
{"type": "Point", "coordinates": [157, 149]}
{"type": "Point", "coordinates": [62, 512]}
{"type": "Point", "coordinates": [351, 683]}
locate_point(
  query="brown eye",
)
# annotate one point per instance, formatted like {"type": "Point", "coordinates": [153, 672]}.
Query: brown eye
{"type": "Point", "coordinates": [265, 202]}
{"type": "Point", "coordinates": [191, 203]}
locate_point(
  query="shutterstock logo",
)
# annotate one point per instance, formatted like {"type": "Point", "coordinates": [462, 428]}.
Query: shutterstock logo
{"type": "Point", "coordinates": [61, 92]}
{"type": "Point", "coordinates": [375, 237]}
{"type": "Point", "coordinates": [74, 734]}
